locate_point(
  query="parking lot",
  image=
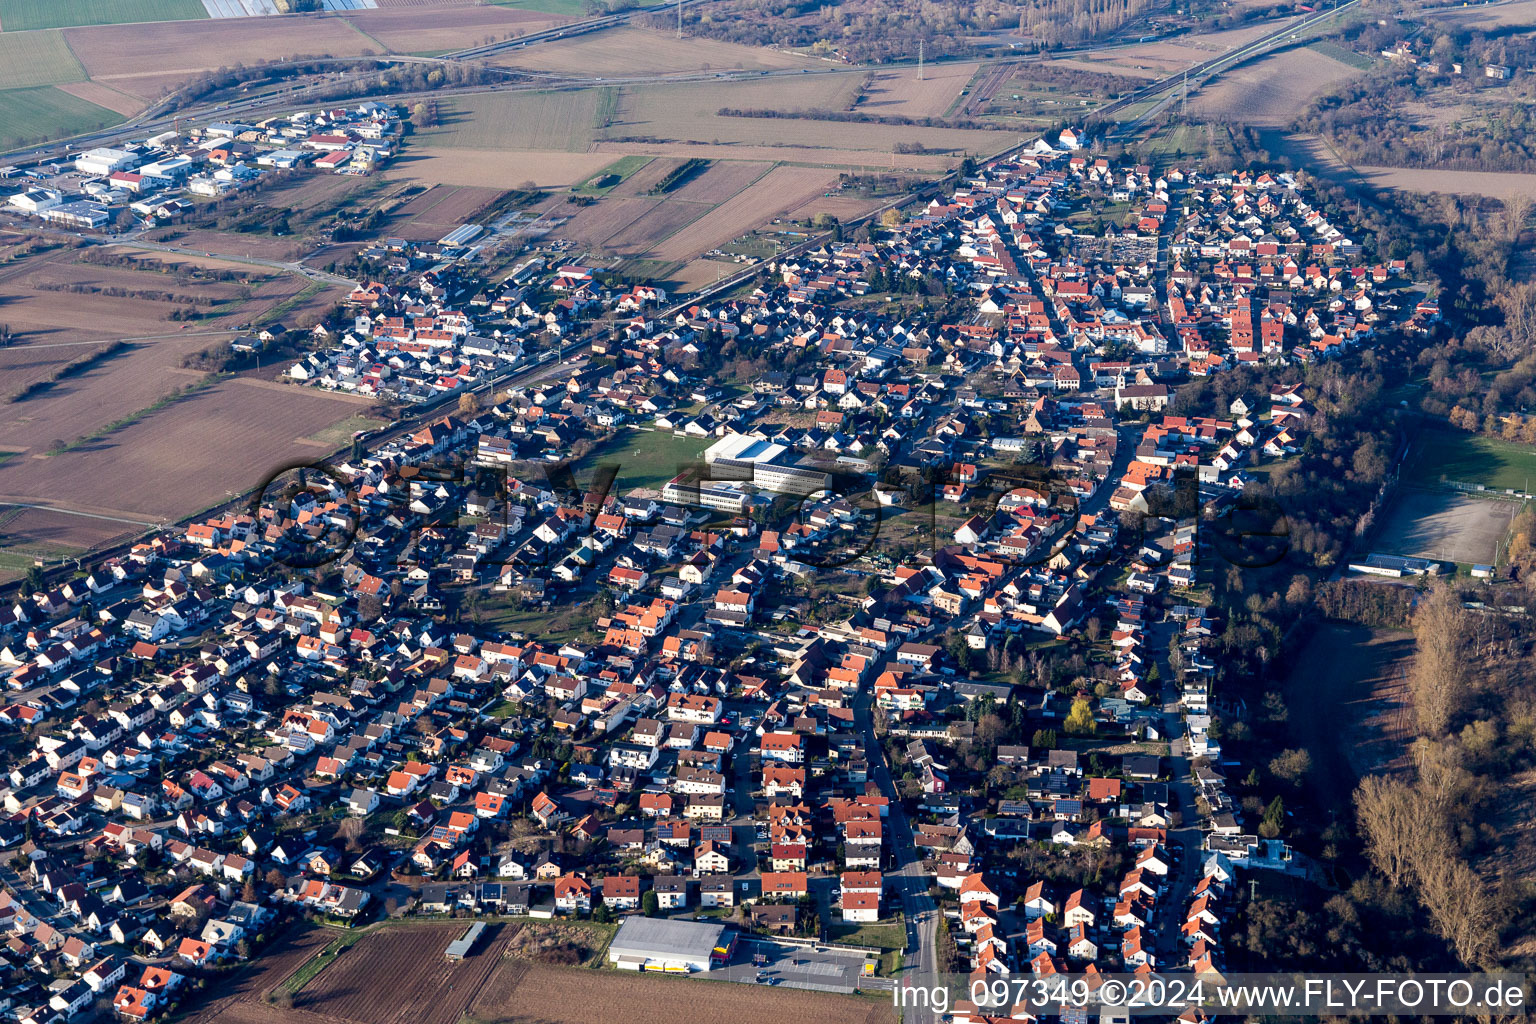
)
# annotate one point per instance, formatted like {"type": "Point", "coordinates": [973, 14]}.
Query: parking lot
{"type": "Point", "coordinates": [795, 966]}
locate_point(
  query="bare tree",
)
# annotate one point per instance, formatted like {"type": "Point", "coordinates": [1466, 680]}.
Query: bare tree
{"type": "Point", "coordinates": [1385, 809]}
{"type": "Point", "coordinates": [1464, 909]}
{"type": "Point", "coordinates": [1437, 682]}
{"type": "Point", "coordinates": [352, 831]}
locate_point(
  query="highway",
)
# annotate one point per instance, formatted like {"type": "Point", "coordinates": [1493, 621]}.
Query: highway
{"type": "Point", "coordinates": [1268, 41]}
{"type": "Point", "coordinates": [158, 118]}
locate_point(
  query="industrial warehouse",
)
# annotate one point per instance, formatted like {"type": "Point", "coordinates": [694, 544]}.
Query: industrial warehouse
{"type": "Point", "coordinates": [672, 947]}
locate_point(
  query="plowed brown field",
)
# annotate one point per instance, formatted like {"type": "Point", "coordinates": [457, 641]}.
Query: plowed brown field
{"type": "Point", "coordinates": [527, 994]}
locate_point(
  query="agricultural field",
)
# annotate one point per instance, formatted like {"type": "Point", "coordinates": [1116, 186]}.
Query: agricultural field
{"type": "Point", "coordinates": [611, 177]}
{"type": "Point", "coordinates": [516, 120]}
{"type": "Point", "coordinates": [339, 434]}
{"type": "Point", "coordinates": [20, 15]}
{"type": "Point", "coordinates": [240, 996]}
{"type": "Point", "coordinates": [199, 447]}
{"type": "Point", "coordinates": [718, 182]}
{"type": "Point", "coordinates": [1329, 48]}
{"type": "Point", "coordinates": [418, 29]}
{"type": "Point", "coordinates": [647, 177]}
{"type": "Point", "coordinates": [28, 535]}
{"type": "Point", "coordinates": [1494, 184]}
{"type": "Point", "coordinates": [640, 51]}
{"type": "Point", "coordinates": [1167, 57]}
{"type": "Point", "coordinates": [777, 192]}
{"type": "Point", "coordinates": [103, 96]}
{"type": "Point", "coordinates": [594, 225]}
{"type": "Point", "coordinates": [492, 168]}
{"type": "Point", "coordinates": [523, 993]}
{"type": "Point", "coordinates": [39, 58]}
{"type": "Point", "coordinates": [564, 8]}
{"type": "Point", "coordinates": [700, 273]}
{"type": "Point", "coordinates": [690, 113]}
{"type": "Point", "coordinates": [1271, 91]}
{"type": "Point", "coordinates": [439, 210]}
{"type": "Point", "coordinates": [645, 234]}
{"type": "Point", "coordinates": [1044, 94]}
{"type": "Point", "coordinates": [1184, 141]}
{"type": "Point", "coordinates": [1324, 160]}
{"type": "Point", "coordinates": [96, 358]}
{"type": "Point", "coordinates": [149, 60]}
{"type": "Point", "coordinates": [899, 93]}
{"type": "Point", "coordinates": [1488, 17]}
{"type": "Point", "coordinates": [424, 987]}
{"type": "Point", "coordinates": [47, 112]}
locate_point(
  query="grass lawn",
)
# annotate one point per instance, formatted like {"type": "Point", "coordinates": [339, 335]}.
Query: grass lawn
{"type": "Point", "coordinates": [1176, 141]}
{"type": "Point", "coordinates": [557, 624]}
{"type": "Point", "coordinates": [17, 15]}
{"type": "Point", "coordinates": [881, 935]}
{"type": "Point", "coordinates": [340, 433]}
{"type": "Point", "coordinates": [503, 709]}
{"type": "Point", "coordinates": [1467, 458]}
{"type": "Point", "coordinates": [15, 561]}
{"type": "Point", "coordinates": [37, 115]}
{"type": "Point", "coordinates": [1329, 48]}
{"type": "Point", "coordinates": [646, 458]}
{"type": "Point", "coordinates": [621, 168]}
{"type": "Point", "coordinates": [42, 58]}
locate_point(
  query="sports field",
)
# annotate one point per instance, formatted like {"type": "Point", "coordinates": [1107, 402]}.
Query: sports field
{"type": "Point", "coordinates": [646, 458]}
{"type": "Point", "coordinates": [35, 115]}
{"type": "Point", "coordinates": [1450, 456]}
{"type": "Point", "coordinates": [1445, 526]}
{"type": "Point", "coordinates": [20, 15]}
{"type": "Point", "coordinates": [39, 58]}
